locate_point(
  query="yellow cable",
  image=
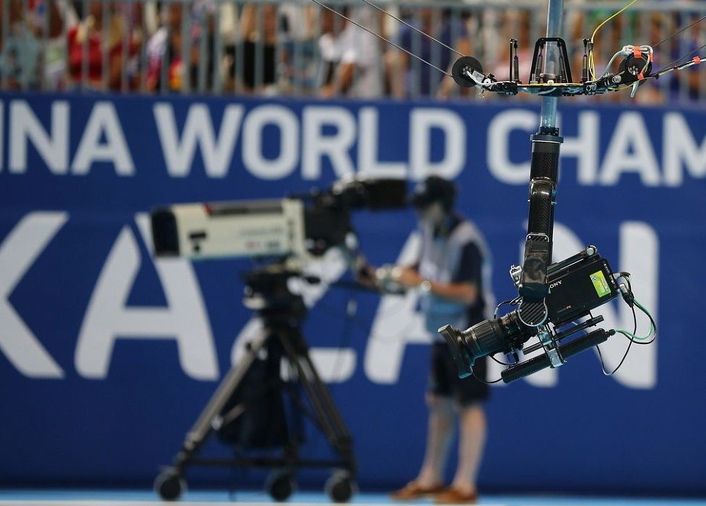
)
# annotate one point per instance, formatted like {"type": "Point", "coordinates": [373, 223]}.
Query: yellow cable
{"type": "Point", "coordinates": [592, 66]}
{"type": "Point", "coordinates": [611, 17]}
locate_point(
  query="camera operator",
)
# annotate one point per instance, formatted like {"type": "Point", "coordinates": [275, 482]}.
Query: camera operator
{"type": "Point", "coordinates": [453, 273]}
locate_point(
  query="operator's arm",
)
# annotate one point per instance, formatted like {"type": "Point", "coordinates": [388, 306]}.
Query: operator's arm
{"type": "Point", "coordinates": [463, 287]}
{"type": "Point", "coordinates": [464, 292]}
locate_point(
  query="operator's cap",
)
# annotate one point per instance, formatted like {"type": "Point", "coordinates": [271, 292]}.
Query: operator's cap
{"type": "Point", "coordinates": [433, 189]}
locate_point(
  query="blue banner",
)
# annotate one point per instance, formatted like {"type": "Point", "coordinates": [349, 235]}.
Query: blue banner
{"type": "Point", "coordinates": [108, 355]}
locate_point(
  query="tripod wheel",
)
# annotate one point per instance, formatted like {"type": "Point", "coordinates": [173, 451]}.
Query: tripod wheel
{"type": "Point", "coordinates": [169, 485]}
{"type": "Point", "coordinates": [340, 487]}
{"type": "Point", "coordinates": [280, 485]}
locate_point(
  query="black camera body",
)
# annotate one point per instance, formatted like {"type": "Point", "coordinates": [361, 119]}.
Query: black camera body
{"type": "Point", "coordinates": [577, 285]}
{"type": "Point", "coordinates": [327, 220]}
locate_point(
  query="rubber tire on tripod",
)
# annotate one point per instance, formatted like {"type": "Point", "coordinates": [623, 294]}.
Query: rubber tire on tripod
{"type": "Point", "coordinates": [169, 485]}
{"type": "Point", "coordinates": [340, 487]}
{"type": "Point", "coordinates": [280, 485]}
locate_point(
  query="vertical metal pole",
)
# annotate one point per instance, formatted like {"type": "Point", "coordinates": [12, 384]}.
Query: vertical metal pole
{"type": "Point", "coordinates": [4, 78]}
{"type": "Point", "coordinates": [186, 25]}
{"type": "Point", "coordinates": [216, 77]}
{"type": "Point", "coordinates": [106, 36]}
{"type": "Point", "coordinates": [555, 18]}
{"type": "Point", "coordinates": [84, 47]}
{"type": "Point", "coordinates": [42, 78]}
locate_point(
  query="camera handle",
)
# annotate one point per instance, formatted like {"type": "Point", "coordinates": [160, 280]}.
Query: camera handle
{"type": "Point", "coordinates": [565, 351]}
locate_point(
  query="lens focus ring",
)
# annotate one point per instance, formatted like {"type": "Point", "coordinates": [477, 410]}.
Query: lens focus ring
{"type": "Point", "coordinates": [484, 338]}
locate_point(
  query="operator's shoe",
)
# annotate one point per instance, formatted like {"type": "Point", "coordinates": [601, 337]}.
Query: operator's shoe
{"type": "Point", "coordinates": [414, 490]}
{"type": "Point", "coordinates": [455, 496]}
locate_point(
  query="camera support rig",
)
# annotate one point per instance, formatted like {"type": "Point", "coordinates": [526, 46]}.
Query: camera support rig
{"type": "Point", "coordinates": [289, 233]}
{"type": "Point", "coordinates": [538, 279]}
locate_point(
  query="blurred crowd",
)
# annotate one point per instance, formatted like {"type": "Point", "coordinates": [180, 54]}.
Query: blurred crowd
{"type": "Point", "coordinates": [306, 48]}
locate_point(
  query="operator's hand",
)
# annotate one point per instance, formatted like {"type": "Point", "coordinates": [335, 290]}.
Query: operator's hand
{"type": "Point", "coordinates": [365, 275]}
{"type": "Point", "coordinates": [408, 277]}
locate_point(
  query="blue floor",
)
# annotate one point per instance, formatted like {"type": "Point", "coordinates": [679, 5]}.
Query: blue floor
{"type": "Point", "coordinates": [195, 497]}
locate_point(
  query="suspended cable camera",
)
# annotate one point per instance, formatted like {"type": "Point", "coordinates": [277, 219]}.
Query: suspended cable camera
{"type": "Point", "coordinates": [554, 300]}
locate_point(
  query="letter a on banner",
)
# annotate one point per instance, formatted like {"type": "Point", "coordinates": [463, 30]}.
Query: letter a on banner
{"type": "Point", "coordinates": [108, 318]}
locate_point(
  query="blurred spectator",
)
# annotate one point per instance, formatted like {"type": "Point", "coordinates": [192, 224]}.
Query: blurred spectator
{"type": "Point", "coordinates": [254, 62]}
{"type": "Point", "coordinates": [411, 77]}
{"type": "Point", "coordinates": [298, 35]}
{"type": "Point", "coordinates": [294, 48]}
{"type": "Point", "coordinates": [19, 49]}
{"type": "Point", "coordinates": [687, 84]}
{"type": "Point", "coordinates": [166, 69]}
{"type": "Point", "coordinates": [489, 29]}
{"type": "Point", "coordinates": [351, 59]}
{"type": "Point", "coordinates": [62, 16]}
{"type": "Point", "coordinates": [164, 64]}
{"type": "Point", "coordinates": [99, 47]}
{"type": "Point", "coordinates": [37, 11]}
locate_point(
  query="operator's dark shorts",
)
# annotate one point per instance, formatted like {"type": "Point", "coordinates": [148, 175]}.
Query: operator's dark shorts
{"type": "Point", "coordinates": [444, 380]}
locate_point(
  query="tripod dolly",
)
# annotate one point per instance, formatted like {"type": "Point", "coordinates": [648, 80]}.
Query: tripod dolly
{"type": "Point", "coordinates": [282, 313]}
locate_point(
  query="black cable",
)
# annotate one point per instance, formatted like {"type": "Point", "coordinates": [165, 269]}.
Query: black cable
{"type": "Point", "coordinates": [487, 382]}
{"type": "Point", "coordinates": [344, 342]}
{"type": "Point", "coordinates": [361, 321]}
{"type": "Point", "coordinates": [625, 355]}
{"type": "Point", "coordinates": [678, 32]}
{"type": "Point", "coordinates": [631, 337]}
{"type": "Point", "coordinates": [509, 302]}
{"type": "Point", "coordinates": [652, 322]}
{"type": "Point", "coordinates": [345, 336]}
{"type": "Point", "coordinates": [490, 382]}
{"type": "Point", "coordinates": [500, 362]}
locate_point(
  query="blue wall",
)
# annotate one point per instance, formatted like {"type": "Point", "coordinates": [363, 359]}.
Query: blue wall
{"type": "Point", "coordinates": [107, 356]}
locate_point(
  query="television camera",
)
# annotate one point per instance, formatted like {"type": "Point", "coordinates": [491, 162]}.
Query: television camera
{"type": "Point", "coordinates": [294, 229]}
{"type": "Point", "coordinates": [289, 233]}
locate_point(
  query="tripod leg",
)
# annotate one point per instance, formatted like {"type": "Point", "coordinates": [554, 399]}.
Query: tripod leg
{"type": "Point", "coordinates": [220, 397]}
{"type": "Point", "coordinates": [170, 483]}
{"type": "Point", "coordinates": [326, 411]}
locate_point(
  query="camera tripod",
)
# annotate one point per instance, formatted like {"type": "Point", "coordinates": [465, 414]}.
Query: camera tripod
{"type": "Point", "coordinates": [282, 313]}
